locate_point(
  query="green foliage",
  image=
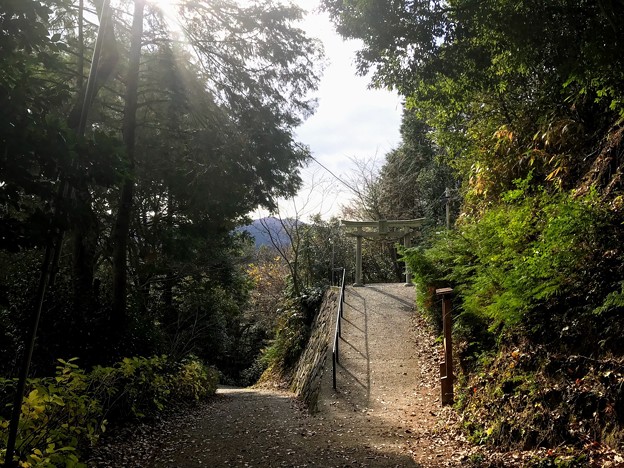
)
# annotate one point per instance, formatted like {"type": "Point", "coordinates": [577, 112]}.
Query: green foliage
{"type": "Point", "coordinates": [59, 418]}
{"type": "Point", "coordinates": [506, 87]}
{"type": "Point", "coordinates": [143, 387]}
{"type": "Point", "coordinates": [524, 101]}
{"type": "Point", "coordinates": [292, 332]}
{"type": "Point", "coordinates": [613, 302]}
{"type": "Point", "coordinates": [413, 177]}
{"type": "Point", "coordinates": [324, 246]}
{"type": "Point", "coordinates": [436, 266]}
{"type": "Point", "coordinates": [289, 342]}
{"type": "Point", "coordinates": [529, 396]}
{"type": "Point", "coordinates": [531, 258]}
{"type": "Point", "coordinates": [212, 143]}
{"type": "Point", "coordinates": [63, 416]}
{"type": "Point", "coordinates": [140, 385]}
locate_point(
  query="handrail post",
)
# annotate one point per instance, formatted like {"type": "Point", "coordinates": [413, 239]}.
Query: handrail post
{"type": "Point", "coordinates": [338, 329]}
{"type": "Point", "coordinates": [342, 290]}
{"type": "Point", "coordinates": [336, 343]}
{"type": "Point", "coordinates": [339, 320]}
{"type": "Point", "coordinates": [334, 369]}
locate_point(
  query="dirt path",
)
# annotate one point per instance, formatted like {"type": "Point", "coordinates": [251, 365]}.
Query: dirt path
{"type": "Point", "coordinates": [385, 412]}
{"type": "Point", "coordinates": [387, 388]}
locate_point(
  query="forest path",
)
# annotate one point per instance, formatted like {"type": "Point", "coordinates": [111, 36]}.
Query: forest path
{"type": "Point", "coordinates": [385, 411]}
{"type": "Point", "coordinates": [387, 389]}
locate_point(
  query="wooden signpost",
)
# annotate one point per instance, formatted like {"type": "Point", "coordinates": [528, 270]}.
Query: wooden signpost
{"type": "Point", "coordinates": [446, 367]}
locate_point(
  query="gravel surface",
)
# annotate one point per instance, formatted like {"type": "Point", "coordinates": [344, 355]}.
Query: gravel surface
{"type": "Point", "coordinates": [388, 393]}
{"type": "Point", "coordinates": [385, 411]}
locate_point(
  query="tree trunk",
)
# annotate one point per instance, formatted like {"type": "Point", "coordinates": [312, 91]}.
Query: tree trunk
{"type": "Point", "coordinates": [170, 314]}
{"type": "Point", "coordinates": [84, 220]}
{"type": "Point", "coordinates": [84, 253]}
{"type": "Point", "coordinates": [121, 229]}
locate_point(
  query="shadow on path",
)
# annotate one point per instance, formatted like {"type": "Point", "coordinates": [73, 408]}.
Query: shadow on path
{"type": "Point", "coordinates": [375, 367]}
{"type": "Point", "coordinates": [380, 415]}
{"type": "Point", "coordinates": [259, 428]}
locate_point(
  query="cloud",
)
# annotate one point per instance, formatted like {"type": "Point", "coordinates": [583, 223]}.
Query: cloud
{"type": "Point", "coordinates": [351, 121]}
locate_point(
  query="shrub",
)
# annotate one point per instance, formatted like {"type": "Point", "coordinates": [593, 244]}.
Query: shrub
{"type": "Point", "coordinates": [289, 342]}
{"type": "Point", "coordinates": [293, 331]}
{"type": "Point", "coordinates": [64, 415]}
{"type": "Point", "coordinates": [194, 381]}
{"type": "Point", "coordinates": [59, 418]}
{"type": "Point", "coordinates": [525, 262]}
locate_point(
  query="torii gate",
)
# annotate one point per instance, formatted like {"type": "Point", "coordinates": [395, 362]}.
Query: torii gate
{"type": "Point", "coordinates": [382, 229]}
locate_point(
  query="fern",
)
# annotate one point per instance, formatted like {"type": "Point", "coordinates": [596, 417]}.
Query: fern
{"type": "Point", "coordinates": [530, 260]}
{"type": "Point", "coordinates": [614, 300]}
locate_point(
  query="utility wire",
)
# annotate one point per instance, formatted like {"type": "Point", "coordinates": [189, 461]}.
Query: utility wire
{"type": "Point", "coordinates": [442, 198]}
{"type": "Point", "coordinates": [350, 187]}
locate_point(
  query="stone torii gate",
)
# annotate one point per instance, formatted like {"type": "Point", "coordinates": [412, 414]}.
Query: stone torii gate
{"type": "Point", "coordinates": [382, 229]}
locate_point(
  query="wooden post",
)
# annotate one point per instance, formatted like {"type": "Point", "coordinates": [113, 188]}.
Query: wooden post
{"type": "Point", "coordinates": [447, 196]}
{"type": "Point", "coordinates": [446, 367]}
{"type": "Point", "coordinates": [407, 243]}
{"type": "Point", "coordinates": [358, 262]}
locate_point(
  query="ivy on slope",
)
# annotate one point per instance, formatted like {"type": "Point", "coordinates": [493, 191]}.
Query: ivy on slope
{"type": "Point", "coordinates": [528, 397]}
{"type": "Point", "coordinates": [293, 329]}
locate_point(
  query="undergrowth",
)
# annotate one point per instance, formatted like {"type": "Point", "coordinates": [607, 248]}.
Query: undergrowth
{"type": "Point", "coordinates": [292, 334]}
{"type": "Point", "coordinates": [64, 415]}
{"type": "Point", "coordinates": [538, 302]}
{"type": "Point", "coordinates": [528, 397]}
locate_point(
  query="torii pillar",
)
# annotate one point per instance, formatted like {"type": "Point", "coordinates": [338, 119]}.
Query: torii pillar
{"type": "Point", "coordinates": [358, 262]}
{"type": "Point", "coordinates": [407, 243]}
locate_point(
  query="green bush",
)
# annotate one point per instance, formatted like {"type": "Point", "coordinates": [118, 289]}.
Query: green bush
{"type": "Point", "coordinates": [64, 415]}
{"type": "Point", "coordinates": [194, 381]}
{"type": "Point", "coordinates": [538, 317]}
{"type": "Point", "coordinates": [59, 417]}
{"type": "Point", "coordinates": [289, 342]}
{"type": "Point", "coordinates": [532, 261]}
{"type": "Point", "coordinates": [293, 331]}
{"type": "Point", "coordinates": [143, 385]}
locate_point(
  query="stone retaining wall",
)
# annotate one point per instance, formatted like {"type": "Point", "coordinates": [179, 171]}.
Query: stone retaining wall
{"type": "Point", "coordinates": [306, 381]}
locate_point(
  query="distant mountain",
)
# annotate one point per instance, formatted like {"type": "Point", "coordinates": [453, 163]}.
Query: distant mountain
{"type": "Point", "coordinates": [262, 230]}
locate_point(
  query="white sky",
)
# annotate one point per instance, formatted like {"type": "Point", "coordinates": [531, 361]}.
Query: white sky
{"type": "Point", "coordinates": [350, 121]}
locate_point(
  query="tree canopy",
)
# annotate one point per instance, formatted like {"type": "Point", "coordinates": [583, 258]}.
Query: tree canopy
{"type": "Point", "coordinates": [215, 106]}
{"type": "Point", "coordinates": [507, 87]}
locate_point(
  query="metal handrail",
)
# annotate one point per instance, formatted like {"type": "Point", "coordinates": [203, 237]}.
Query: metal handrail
{"type": "Point", "coordinates": [337, 331]}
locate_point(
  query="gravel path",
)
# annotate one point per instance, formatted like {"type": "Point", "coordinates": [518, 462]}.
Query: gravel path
{"type": "Point", "coordinates": [386, 387]}
{"type": "Point", "coordinates": [385, 412]}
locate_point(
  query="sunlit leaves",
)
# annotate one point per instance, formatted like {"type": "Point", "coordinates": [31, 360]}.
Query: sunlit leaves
{"type": "Point", "coordinates": [469, 67]}
{"type": "Point", "coordinates": [65, 415]}
{"type": "Point", "coordinates": [253, 52]}
{"type": "Point", "coordinates": [529, 254]}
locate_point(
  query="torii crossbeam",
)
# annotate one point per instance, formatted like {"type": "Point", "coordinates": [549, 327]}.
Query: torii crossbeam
{"type": "Point", "coordinates": [382, 229]}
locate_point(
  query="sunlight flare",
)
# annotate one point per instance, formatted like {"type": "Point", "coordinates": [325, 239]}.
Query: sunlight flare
{"type": "Point", "coordinates": [170, 12]}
